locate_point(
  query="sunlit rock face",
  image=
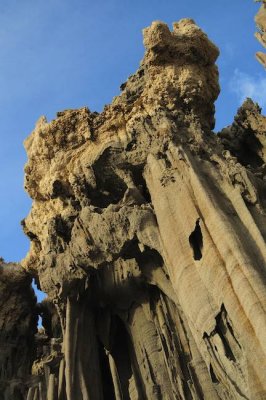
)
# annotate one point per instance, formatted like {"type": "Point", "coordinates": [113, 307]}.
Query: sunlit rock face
{"type": "Point", "coordinates": [148, 236]}
{"type": "Point", "coordinates": [260, 20]}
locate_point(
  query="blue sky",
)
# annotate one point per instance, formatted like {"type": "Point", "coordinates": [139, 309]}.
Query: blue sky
{"type": "Point", "coordinates": [59, 54]}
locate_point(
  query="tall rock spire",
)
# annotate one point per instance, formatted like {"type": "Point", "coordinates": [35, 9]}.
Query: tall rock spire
{"type": "Point", "coordinates": [148, 235]}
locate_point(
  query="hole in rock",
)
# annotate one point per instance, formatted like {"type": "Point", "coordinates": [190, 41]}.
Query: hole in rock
{"type": "Point", "coordinates": [40, 297]}
{"type": "Point", "coordinates": [40, 323]}
{"type": "Point", "coordinates": [213, 376]}
{"type": "Point", "coordinates": [131, 144]}
{"type": "Point", "coordinates": [196, 241]}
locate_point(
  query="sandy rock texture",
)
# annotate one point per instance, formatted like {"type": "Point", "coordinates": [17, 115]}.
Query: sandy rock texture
{"type": "Point", "coordinates": [148, 235]}
{"type": "Point", "coordinates": [260, 20]}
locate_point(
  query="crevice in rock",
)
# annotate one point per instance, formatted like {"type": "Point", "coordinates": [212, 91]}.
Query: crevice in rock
{"type": "Point", "coordinates": [132, 144]}
{"type": "Point", "coordinates": [110, 187]}
{"type": "Point", "coordinates": [213, 376]}
{"type": "Point", "coordinates": [137, 172]}
{"type": "Point", "coordinates": [146, 257]}
{"type": "Point", "coordinates": [163, 156]}
{"type": "Point", "coordinates": [196, 241]}
{"type": "Point", "coordinates": [249, 154]}
{"type": "Point", "coordinates": [121, 355]}
{"type": "Point", "coordinates": [107, 381]}
{"type": "Point", "coordinates": [50, 319]}
{"type": "Point", "coordinates": [37, 290]}
{"type": "Point", "coordinates": [222, 328]}
{"type": "Point", "coordinates": [60, 189]}
{"type": "Point", "coordinates": [63, 228]}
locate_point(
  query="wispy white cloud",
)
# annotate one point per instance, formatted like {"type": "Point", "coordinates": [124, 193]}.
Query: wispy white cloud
{"type": "Point", "coordinates": [245, 85]}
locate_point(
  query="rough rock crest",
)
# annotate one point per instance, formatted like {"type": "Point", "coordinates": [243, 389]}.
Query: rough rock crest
{"type": "Point", "coordinates": [148, 236]}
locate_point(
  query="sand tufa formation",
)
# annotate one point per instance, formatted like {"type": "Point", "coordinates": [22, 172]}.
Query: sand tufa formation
{"type": "Point", "coordinates": [148, 235]}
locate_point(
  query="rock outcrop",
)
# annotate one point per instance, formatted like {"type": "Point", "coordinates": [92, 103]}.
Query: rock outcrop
{"type": "Point", "coordinates": [18, 320]}
{"type": "Point", "coordinates": [260, 20]}
{"type": "Point", "coordinates": [148, 235]}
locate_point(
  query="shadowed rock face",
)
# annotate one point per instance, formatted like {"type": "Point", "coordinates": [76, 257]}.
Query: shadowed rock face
{"type": "Point", "coordinates": [148, 235]}
{"type": "Point", "coordinates": [18, 319]}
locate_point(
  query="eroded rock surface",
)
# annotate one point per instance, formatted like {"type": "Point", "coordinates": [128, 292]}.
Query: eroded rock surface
{"type": "Point", "coordinates": [18, 318]}
{"type": "Point", "coordinates": [148, 236]}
